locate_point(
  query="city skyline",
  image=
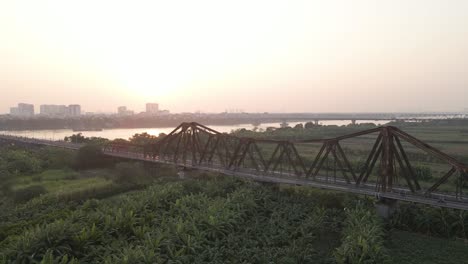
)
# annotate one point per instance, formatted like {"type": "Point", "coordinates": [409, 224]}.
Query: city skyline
{"type": "Point", "coordinates": [125, 110]}
{"type": "Point", "coordinates": [27, 109]}
{"type": "Point", "coordinates": [260, 56]}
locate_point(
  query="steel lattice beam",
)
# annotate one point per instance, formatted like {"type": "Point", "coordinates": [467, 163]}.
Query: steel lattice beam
{"type": "Point", "coordinates": [193, 143]}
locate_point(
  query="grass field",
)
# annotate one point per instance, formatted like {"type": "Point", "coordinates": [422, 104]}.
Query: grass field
{"type": "Point", "coordinates": [61, 181]}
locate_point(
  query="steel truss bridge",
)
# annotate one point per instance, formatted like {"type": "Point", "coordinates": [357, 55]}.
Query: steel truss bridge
{"type": "Point", "coordinates": [386, 170]}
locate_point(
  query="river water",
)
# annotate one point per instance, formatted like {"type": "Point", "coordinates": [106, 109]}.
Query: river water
{"type": "Point", "coordinates": [126, 133]}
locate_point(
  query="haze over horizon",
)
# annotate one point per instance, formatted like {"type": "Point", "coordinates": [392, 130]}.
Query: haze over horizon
{"type": "Point", "coordinates": [274, 56]}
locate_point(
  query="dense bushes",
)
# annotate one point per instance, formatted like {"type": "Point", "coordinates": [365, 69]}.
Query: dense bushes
{"type": "Point", "coordinates": [80, 139]}
{"type": "Point", "coordinates": [50, 207]}
{"type": "Point", "coordinates": [55, 158]}
{"type": "Point", "coordinates": [431, 220]}
{"type": "Point", "coordinates": [27, 193]}
{"type": "Point", "coordinates": [363, 239]}
{"type": "Point", "coordinates": [202, 220]}
{"type": "Point", "coordinates": [90, 157]}
{"type": "Point", "coordinates": [186, 222]}
{"type": "Point", "coordinates": [18, 161]}
{"type": "Point", "coordinates": [131, 173]}
{"type": "Point", "coordinates": [5, 185]}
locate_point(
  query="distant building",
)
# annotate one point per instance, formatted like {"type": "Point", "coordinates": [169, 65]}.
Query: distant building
{"type": "Point", "coordinates": [123, 111]}
{"type": "Point", "coordinates": [14, 111]}
{"type": "Point", "coordinates": [74, 110]}
{"type": "Point", "coordinates": [25, 110]}
{"type": "Point", "coordinates": [152, 108]}
{"type": "Point", "coordinates": [54, 110]}
{"type": "Point", "coordinates": [60, 110]}
{"type": "Point", "coordinates": [164, 112]}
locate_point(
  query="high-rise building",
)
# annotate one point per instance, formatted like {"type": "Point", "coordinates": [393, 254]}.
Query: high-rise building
{"type": "Point", "coordinates": [74, 110]}
{"type": "Point", "coordinates": [54, 110]}
{"type": "Point", "coordinates": [44, 109]}
{"type": "Point", "coordinates": [122, 110]}
{"type": "Point", "coordinates": [26, 109]}
{"type": "Point", "coordinates": [152, 108]}
{"type": "Point", "coordinates": [14, 111]}
{"type": "Point", "coordinates": [22, 110]}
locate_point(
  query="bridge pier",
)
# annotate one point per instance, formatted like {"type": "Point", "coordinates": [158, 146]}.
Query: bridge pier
{"type": "Point", "coordinates": [386, 207]}
{"type": "Point", "coordinates": [316, 121]}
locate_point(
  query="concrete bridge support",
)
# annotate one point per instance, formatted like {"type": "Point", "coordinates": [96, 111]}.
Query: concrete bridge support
{"type": "Point", "coordinates": [386, 207]}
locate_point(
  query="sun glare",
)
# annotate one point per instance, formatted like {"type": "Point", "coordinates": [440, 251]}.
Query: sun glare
{"type": "Point", "coordinates": [157, 49]}
{"type": "Point", "coordinates": [166, 50]}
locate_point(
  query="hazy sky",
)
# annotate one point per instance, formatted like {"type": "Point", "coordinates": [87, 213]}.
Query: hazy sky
{"type": "Point", "coordinates": [291, 56]}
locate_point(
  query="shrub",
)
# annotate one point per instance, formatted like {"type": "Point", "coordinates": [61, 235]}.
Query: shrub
{"type": "Point", "coordinates": [363, 240]}
{"type": "Point", "coordinates": [429, 220]}
{"type": "Point", "coordinates": [44, 241]}
{"type": "Point", "coordinates": [5, 179]}
{"type": "Point", "coordinates": [54, 158]}
{"type": "Point", "coordinates": [18, 161]}
{"type": "Point", "coordinates": [131, 173]}
{"type": "Point", "coordinates": [28, 193]}
{"type": "Point", "coordinates": [37, 178]}
{"type": "Point", "coordinates": [90, 157]}
{"type": "Point", "coordinates": [91, 204]}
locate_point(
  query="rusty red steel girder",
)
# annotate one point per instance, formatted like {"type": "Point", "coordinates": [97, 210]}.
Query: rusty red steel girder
{"type": "Point", "coordinates": [198, 144]}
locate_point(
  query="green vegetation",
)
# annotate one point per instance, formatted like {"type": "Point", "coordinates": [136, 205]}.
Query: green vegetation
{"type": "Point", "coordinates": [411, 248]}
{"type": "Point", "coordinates": [433, 221]}
{"type": "Point", "coordinates": [27, 193]}
{"type": "Point", "coordinates": [191, 222]}
{"type": "Point", "coordinates": [90, 157]}
{"type": "Point", "coordinates": [80, 139]}
{"type": "Point", "coordinates": [363, 239]}
{"type": "Point", "coordinates": [46, 187]}
{"type": "Point", "coordinates": [207, 219]}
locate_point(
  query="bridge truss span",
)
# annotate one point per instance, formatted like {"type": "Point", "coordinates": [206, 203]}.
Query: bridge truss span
{"type": "Point", "coordinates": [383, 168]}
{"type": "Point", "coordinates": [383, 161]}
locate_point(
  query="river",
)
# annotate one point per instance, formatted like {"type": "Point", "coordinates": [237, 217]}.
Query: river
{"type": "Point", "coordinates": [126, 133]}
